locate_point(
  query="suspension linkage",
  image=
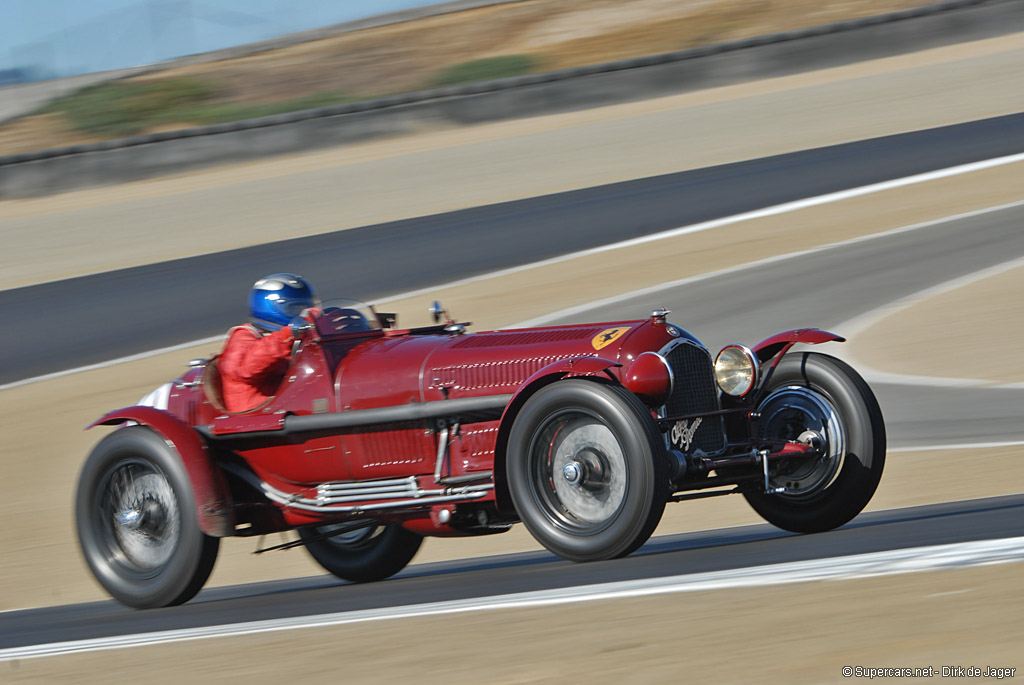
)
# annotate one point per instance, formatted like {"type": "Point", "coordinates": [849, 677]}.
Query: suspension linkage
{"type": "Point", "coordinates": [358, 525]}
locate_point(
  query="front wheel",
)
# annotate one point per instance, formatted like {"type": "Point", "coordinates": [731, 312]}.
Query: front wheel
{"type": "Point", "coordinates": [587, 470]}
{"type": "Point", "coordinates": [815, 396]}
{"type": "Point", "coordinates": [362, 555]}
{"type": "Point", "coordinates": [136, 520]}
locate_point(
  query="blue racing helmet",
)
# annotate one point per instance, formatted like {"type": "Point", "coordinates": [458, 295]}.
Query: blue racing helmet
{"type": "Point", "coordinates": [278, 298]}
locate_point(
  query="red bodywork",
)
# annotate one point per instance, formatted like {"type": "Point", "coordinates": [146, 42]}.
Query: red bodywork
{"type": "Point", "coordinates": [408, 426]}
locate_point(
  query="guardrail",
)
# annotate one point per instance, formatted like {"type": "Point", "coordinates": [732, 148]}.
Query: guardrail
{"type": "Point", "coordinates": [144, 156]}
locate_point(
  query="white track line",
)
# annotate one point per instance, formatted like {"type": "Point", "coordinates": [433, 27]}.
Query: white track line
{"type": "Point", "coordinates": [113, 362]}
{"type": "Point", "coordinates": [851, 327]}
{"type": "Point", "coordinates": [774, 210]}
{"type": "Point", "coordinates": [962, 446]}
{"type": "Point", "coordinates": [664, 235]}
{"type": "Point", "coordinates": [889, 450]}
{"type": "Point", "coordinates": [579, 309]}
{"type": "Point", "coordinates": [938, 557]}
{"type": "Point", "coordinates": [869, 319]}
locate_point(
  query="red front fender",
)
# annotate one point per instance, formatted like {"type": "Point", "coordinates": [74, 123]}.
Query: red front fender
{"type": "Point", "coordinates": [575, 367]}
{"type": "Point", "coordinates": [567, 368]}
{"type": "Point", "coordinates": [213, 499]}
{"type": "Point", "coordinates": [780, 342]}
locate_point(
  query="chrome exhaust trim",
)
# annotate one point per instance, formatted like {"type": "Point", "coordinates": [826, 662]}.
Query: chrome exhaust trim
{"type": "Point", "coordinates": [409, 481]}
{"type": "Point", "coordinates": [344, 497]}
{"type": "Point", "coordinates": [358, 509]}
{"type": "Point", "coordinates": [401, 495]}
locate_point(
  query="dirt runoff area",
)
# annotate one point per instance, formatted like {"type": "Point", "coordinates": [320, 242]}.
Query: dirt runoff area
{"type": "Point", "coordinates": [958, 316]}
{"type": "Point", "coordinates": [802, 633]}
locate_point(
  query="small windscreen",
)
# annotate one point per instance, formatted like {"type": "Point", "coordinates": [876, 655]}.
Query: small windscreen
{"type": "Point", "coordinates": [346, 316]}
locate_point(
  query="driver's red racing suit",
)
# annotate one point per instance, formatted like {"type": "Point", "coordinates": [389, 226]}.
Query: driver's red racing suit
{"type": "Point", "coordinates": [252, 366]}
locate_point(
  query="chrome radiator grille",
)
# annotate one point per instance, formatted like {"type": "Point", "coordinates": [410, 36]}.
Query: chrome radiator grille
{"type": "Point", "coordinates": [694, 392]}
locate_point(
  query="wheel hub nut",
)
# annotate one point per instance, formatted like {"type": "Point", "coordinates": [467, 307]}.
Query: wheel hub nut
{"type": "Point", "coordinates": [573, 473]}
{"type": "Point", "coordinates": [130, 519]}
{"type": "Point", "coordinates": [811, 439]}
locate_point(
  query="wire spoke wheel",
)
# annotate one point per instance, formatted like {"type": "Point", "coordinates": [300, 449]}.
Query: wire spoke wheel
{"type": "Point", "coordinates": [141, 516]}
{"type": "Point", "coordinates": [136, 519]}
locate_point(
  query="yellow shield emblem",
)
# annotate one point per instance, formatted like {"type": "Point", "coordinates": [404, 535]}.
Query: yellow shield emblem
{"type": "Point", "coordinates": [607, 337]}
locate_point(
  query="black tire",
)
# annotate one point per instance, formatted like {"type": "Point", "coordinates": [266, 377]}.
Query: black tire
{"type": "Point", "coordinates": [825, 493]}
{"type": "Point", "coordinates": [365, 555]}
{"type": "Point", "coordinates": [587, 470]}
{"type": "Point", "coordinates": [135, 516]}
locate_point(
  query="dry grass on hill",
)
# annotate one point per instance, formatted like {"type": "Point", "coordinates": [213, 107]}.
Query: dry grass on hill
{"type": "Point", "coordinates": [553, 34]}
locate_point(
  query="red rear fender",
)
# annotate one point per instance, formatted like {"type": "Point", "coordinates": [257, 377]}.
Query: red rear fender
{"type": "Point", "coordinates": [769, 347]}
{"type": "Point", "coordinates": [213, 499]}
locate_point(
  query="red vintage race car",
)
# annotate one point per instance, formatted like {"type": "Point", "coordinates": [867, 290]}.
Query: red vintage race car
{"type": "Point", "coordinates": [380, 436]}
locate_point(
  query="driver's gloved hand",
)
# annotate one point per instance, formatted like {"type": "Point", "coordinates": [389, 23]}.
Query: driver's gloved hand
{"type": "Point", "coordinates": [305, 321]}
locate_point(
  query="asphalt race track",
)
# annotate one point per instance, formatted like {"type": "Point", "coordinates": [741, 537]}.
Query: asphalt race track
{"type": "Point", "coordinates": [743, 305]}
{"type": "Point", "coordinates": [119, 313]}
{"type": "Point", "coordinates": [714, 550]}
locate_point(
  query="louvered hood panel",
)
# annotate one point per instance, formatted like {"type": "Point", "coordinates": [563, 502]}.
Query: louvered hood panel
{"type": "Point", "coordinates": [499, 362]}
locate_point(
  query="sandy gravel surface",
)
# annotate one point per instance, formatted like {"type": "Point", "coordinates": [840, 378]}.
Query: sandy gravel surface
{"type": "Point", "coordinates": [89, 231]}
{"type": "Point", "coordinates": [44, 442]}
{"type": "Point", "coordinates": [803, 633]}
{"type": "Point", "coordinates": [980, 320]}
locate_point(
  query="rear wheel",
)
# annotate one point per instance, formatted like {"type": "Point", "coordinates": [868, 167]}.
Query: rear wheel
{"type": "Point", "coordinates": [586, 470]}
{"type": "Point", "coordinates": [817, 397]}
{"type": "Point", "coordinates": [136, 520]}
{"type": "Point", "coordinates": [362, 555]}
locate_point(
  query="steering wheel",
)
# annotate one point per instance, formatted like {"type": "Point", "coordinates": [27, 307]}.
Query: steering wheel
{"type": "Point", "coordinates": [344, 319]}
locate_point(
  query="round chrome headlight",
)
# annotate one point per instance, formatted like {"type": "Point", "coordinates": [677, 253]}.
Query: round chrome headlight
{"type": "Point", "coordinates": [736, 370]}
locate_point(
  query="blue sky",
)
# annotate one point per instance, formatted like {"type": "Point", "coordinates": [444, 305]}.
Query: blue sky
{"type": "Point", "coordinates": [63, 37]}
